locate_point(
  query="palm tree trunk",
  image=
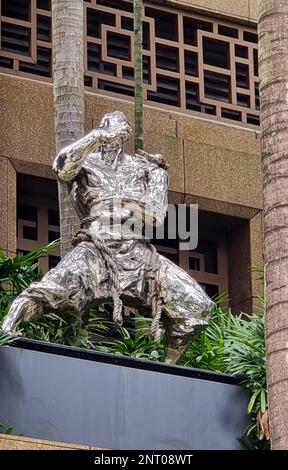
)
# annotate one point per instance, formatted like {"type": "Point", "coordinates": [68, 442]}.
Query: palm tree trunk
{"type": "Point", "coordinates": [68, 87]}
{"type": "Point", "coordinates": [138, 71]}
{"type": "Point", "coordinates": [273, 62]}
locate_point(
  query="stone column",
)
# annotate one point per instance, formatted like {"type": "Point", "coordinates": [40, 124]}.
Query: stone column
{"type": "Point", "coordinates": [8, 196]}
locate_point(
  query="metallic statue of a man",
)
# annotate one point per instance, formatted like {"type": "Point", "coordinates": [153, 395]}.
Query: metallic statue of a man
{"type": "Point", "coordinates": [111, 259]}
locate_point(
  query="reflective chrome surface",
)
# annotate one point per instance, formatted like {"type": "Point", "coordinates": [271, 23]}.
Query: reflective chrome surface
{"type": "Point", "coordinates": [107, 184]}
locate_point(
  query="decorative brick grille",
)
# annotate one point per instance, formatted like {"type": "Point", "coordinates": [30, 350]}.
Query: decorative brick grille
{"type": "Point", "coordinates": [25, 46]}
{"type": "Point", "coordinates": [192, 64]}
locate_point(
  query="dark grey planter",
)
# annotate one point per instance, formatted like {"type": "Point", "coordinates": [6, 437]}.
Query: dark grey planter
{"type": "Point", "coordinates": [73, 395]}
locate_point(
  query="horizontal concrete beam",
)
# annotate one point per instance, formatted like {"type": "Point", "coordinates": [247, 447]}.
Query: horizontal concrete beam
{"type": "Point", "coordinates": [8, 442]}
{"type": "Point", "coordinates": [240, 9]}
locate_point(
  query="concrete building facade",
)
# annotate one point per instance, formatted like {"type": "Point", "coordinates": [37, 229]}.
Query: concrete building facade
{"type": "Point", "coordinates": [201, 112]}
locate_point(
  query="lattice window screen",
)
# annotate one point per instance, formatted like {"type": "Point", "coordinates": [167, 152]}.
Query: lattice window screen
{"type": "Point", "coordinates": [192, 64]}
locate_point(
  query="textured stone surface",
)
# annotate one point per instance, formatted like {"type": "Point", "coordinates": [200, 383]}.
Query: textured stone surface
{"type": "Point", "coordinates": [176, 198]}
{"type": "Point", "coordinates": [35, 169]}
{"type": "Point", "coordinates": [88, 125]}
{"type": "Point", "coordinates": [96, 106]}
{"type": "Point", "coordinates": [173, 151]}
{"type": "Point", "coordinates": [8, 207]}
{"type": "Point", "coordinates": [159, 123]}
{"type": "Point", "coordinates": [155, 120]}
{"type": "Point", "coordinates": [219, 173]}
{"type": "Point", "coordinates": [26, 116]}
{"type": "Point", "coordinates": [211, 150]}
{"type": "Point", "coordinates": [238, 8]}
{"type": "Point", "coordinates": [253, 10]}
{"type": "Point", "coordinates": [221, 207]}
{"type": "Point", "coordinates": [25, 443]}
{"type": "Point", "coordinates": [186, 3]}
{"type": "Point", "coordinates": [11, 208]}
{"type": "Point", "coordinates": [221, 135]}
{"type": "Point", "coordinates": [235, 8]}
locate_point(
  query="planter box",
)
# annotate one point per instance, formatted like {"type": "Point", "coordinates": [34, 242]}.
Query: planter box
{"type": "Point", "coordinates": [73, 395]}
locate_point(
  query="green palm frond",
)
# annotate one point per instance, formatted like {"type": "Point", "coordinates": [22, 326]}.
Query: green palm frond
{"type": "Point", "coordinates": [18, 273]}
{"type": "Point", "coordinates": [5, 339]}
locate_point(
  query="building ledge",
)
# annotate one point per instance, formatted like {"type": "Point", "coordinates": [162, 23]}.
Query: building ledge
{"type": "Point", "coordinates": [243, 10]}
{"type": "Point", "coordinates": [8, 442]}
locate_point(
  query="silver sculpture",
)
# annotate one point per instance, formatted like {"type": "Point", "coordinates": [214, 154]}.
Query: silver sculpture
{"type": "Point", "coordinates": [110, 261]}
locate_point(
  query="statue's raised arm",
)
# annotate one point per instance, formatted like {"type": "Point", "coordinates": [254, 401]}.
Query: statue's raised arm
{"type": "Point", "coordinates": [70, 159]}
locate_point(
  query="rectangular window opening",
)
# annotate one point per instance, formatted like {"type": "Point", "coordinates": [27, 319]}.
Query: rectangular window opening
{"type": "Point", "coordinates": [119, 46]}
{"type": "Point", "coordinates": [216, 53]}
{"type": "Point", "coordinates": [18, 9]}
{"type": "Point", "coordinates": [217, 86]}
{"type": "Point", "coordinates": [191, 26]}
{"type": "Point", "coordinates": [167, 91]}
{"type": "Point", "coordinates": [167, 58]}
{"type": "Point", "coordinates": [166, 24]}
{"type": "Point", "coordinates": [15, 39]}
{"type": "Point", "coordinates": [227, 31]}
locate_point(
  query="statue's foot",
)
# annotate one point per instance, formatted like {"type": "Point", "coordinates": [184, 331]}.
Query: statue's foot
{"type": "Point", "coordinates": [173, 355]}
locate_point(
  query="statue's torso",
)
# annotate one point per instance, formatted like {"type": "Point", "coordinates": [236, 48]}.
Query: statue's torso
{"type": "Point", "coordinates": [99, 184]}
{"type": "Point", "coordinates": [128, 180]}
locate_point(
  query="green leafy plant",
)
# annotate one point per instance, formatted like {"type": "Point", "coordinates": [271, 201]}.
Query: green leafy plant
{"type": "Point", "coordinates": [67, 329]}
{"type": "Point", "coordinates": [5, 339]}
{"type": "Point", "coordinates": [4, 430]}
{"type": "Point", "coordinates": [16, 274]}
{"type": "Point", "coordinates": [141, 347]}
{"type": "Point", "coordinates": [208, 351]}
{"type": "Point", "coordinates": [246, 357]}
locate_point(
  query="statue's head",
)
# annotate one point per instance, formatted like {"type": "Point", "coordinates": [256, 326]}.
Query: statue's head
{"type": "Point", "coordinates": [118, 123]}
